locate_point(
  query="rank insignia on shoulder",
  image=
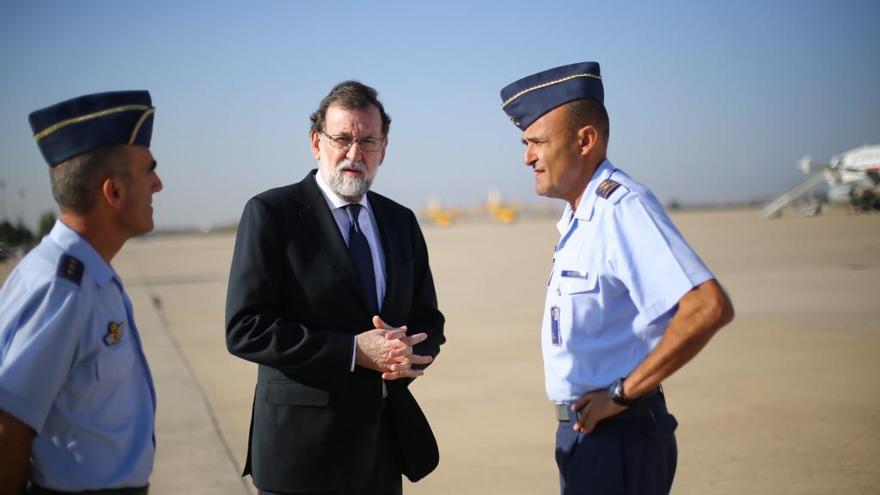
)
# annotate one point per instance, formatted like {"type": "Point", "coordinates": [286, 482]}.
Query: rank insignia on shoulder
{"type": "Point", "coordinates": [607, 188]}
{"type": "Point", "coordinates": [70, 268]}
{"type": "Point", "coordinates": [114, 333]}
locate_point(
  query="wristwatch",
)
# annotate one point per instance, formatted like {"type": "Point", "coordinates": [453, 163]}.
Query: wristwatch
{"type": "Point", "coordinates": [615, 393]}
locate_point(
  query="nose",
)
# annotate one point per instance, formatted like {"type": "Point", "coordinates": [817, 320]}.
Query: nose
{"type": "Point", "coordinates": [529, 157]}
{"type": "Point", "coordinates": [354, 152]}
{"type": "Point", "coordinates": [157, 184]}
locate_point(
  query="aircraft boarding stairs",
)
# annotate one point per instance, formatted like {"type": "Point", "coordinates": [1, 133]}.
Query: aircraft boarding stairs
{"type": "Point", "coordinates": [774, 208]}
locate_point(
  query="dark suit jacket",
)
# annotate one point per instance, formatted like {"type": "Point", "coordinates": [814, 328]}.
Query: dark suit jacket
{"type": "Point", "coordinates": [293, 304]}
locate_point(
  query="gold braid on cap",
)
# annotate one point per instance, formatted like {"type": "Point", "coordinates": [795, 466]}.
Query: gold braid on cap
{"type": "Point", "coordinates": [549, 83]}
{"type": "Point", "coordinates": [140, 122]}
{"type": "Point", "coordinates": [82, 118]}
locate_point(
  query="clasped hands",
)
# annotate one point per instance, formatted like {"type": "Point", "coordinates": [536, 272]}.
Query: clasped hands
{"type": "Point", "coordinates": [389, 350]}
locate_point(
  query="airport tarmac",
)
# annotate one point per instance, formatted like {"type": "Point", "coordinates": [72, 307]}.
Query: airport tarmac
{"type": "Point", "coordinates": [781, 401]}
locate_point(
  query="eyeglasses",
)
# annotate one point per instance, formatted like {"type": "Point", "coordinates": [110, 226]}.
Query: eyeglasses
{"type": "Point", "coordinates": [344, 142]}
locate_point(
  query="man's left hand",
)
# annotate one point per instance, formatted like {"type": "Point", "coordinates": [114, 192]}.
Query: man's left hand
{"type": "Point", "coordinates": [399, 360]}
{"type": "Point", "coordinates": [593, 408]}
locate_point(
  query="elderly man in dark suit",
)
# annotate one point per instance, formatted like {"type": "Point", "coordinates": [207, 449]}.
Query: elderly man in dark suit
{"type": "Point", "coordinates": [330, 293]}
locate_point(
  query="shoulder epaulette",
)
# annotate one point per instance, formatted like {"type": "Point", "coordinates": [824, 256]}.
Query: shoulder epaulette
{"type": "Point", "coordinates": [607, 188]}
{"type": "Point", "coordinates": [611, 190]}
{"type": "Point", "coordinates": [70, 268]}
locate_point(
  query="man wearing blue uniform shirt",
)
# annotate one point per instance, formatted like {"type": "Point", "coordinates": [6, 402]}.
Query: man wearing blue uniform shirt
{"type": "Point", "coordinates": [77, 402]}
{"type": "Point", "coordinates": [628, 301]}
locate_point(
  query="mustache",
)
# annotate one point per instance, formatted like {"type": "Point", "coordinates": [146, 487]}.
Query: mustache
{"type": "Point", "coordinates": [359, 166]}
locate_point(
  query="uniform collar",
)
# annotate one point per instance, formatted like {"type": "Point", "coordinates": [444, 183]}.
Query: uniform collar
{"type": "Point", "coordinates": [71, 243]}
{"type": "Point", "coordinates": [588, 199]}
{"type": "Point", "coordinates": [333, 200]}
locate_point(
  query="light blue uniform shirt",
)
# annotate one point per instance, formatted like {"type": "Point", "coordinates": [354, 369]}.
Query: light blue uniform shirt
{"type": "Point", "coordinates": [72, 368]}
{"type": "Point", "coordinates": [619, 270]}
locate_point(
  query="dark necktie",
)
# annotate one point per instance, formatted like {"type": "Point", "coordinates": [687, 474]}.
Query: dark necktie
{"type": "Point", "coordinates": [362, 256]}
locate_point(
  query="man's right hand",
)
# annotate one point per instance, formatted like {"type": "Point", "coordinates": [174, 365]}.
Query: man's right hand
{"type": "Point", "coordinates": [390, 351]}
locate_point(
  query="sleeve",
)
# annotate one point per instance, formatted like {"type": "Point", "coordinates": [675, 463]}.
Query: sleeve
{"type": "Point", "coordinates": [425, 317]}
{"type": "Point", "coordinates": [256, 328]}
{"type": "Point", "coordinates": [651, 257]}
{"type": "Point", "coordinates": [39, 354]}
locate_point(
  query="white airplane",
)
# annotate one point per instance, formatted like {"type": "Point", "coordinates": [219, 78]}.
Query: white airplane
{"type": "Point", "coordinates": [853, 177]}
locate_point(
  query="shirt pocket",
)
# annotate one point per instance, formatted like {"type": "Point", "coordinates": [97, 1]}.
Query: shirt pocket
{"type": "Point", "coordinates": [580, 304]}
{"type": "Point", "coordinates": [114, 363]}
{"type": "Point", "coordinates": [576, 281]}
{"type": "Point", "coordinates": [113, 393]}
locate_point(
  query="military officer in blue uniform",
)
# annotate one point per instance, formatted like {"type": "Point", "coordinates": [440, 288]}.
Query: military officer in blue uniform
{"type": "Point", "coordinates": [628, 301]}
{"type": "Point", "coordinates": [77, 402]}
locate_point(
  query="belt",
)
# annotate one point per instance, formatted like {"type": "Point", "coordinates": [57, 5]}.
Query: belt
{"type": "Point", "coordinates": [565, 414]}
{"type": "Point", "coordinates": [34, 489]}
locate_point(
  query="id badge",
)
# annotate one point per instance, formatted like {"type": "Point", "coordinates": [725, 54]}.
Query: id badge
{"type": "Point", "coordinates": [555, 338]}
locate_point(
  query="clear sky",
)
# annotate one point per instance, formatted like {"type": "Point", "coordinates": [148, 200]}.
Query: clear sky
{"type": "Point", "coordinates": [710, 101]}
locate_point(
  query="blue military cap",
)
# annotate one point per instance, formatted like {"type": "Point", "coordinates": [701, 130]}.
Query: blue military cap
{"type": "Point", "coordinates": [73, 127]}
{"type": "Point", "coordinates": [526, 100]}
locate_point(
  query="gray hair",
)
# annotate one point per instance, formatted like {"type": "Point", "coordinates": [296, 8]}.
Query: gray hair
{"type": "Point", "coordinates": [76, 182]}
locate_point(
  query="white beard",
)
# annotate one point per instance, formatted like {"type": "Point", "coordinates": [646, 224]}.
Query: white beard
{"type": "Point", "coordinates": [347, 187]}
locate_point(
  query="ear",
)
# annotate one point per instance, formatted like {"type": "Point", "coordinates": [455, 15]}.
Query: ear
{"type": "Point", "coordinates": [112, 191]}
{"type": "Point", "coordinates": [315, 138]}
{"type": "Point", "coordinates": [588, 139]}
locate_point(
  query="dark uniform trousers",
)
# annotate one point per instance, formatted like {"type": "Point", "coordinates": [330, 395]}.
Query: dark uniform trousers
{"type": "Point", "coordinates": [632, 453]}
{"type": "Point", "coordinates": [385, 478]}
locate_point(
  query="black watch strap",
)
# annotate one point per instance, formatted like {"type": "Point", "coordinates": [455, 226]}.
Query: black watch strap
{"type": "Point", "coordinates": [615, 392]}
